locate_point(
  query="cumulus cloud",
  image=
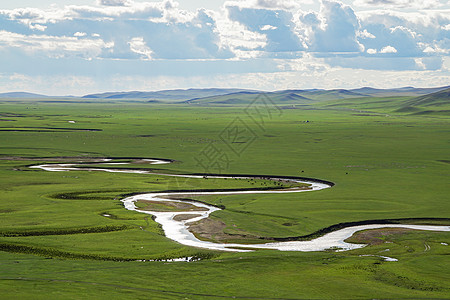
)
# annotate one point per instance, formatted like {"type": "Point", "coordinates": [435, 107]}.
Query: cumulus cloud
{"type": "Point", "coordinates": [267, 4]}
{"type": "Point", "coordinates": [409, 32]}
{"type": "Point", "coordinates": [137, 45]}
{"type": "Point", "coordinates": [334, 29]}
{"type": "Point", "coordinates": [435, 50]}
{"type": "Point", "coordinates": [37, 27]}
{"type": "Point", "coordinates": [241, 41]}
{"type": "Point", "coordinates": [170, 32]}
{"type": "Point", "coordinates": [429, 63]}
{"type": "Point", "coordinates": [135, 10]}
{"type": "Point", "coordinates": [278, 4]}
{"type": "Point", "coordinates": [388, 49]}
{"type": "Point", "coordinates": [418, 4]}
{"type": "Point", "coordinates": [276, 25]}
{"type": "Point", "coordinates": [246, 29]}
{"type": "Point", "coordinates": [307, 64]}
{"type": "Point", "coordinates": [114, 2]}
{"type": "Point", "coordinates": [246, 36]}
{"type": "Point", "coordinates": [53, 46]}
{"type": "Point", "coordinates": [268, 27]}
{"type": "Point", "coordinates": [365, 34]}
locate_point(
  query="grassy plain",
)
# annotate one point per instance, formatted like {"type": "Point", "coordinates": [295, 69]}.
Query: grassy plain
{"type": "Point", "coordinates": [386, 165]}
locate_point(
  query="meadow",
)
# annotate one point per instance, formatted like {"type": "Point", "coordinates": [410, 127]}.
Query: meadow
{"type": "Point", "coordinates": [67, 235]}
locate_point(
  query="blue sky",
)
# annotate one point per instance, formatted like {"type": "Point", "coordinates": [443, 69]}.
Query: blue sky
{"type": "Point", "coordinates": [86, 46]}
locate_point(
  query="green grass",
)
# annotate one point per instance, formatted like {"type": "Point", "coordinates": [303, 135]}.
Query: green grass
{"type": "Point", "coordinates": [386, 165]}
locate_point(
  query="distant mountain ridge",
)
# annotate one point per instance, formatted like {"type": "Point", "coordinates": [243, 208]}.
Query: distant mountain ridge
{"type": "Point", "coordinates": [282, 97]}
{"type": "Point", "coordinates": [434, 99]}
{"type": "Point", "coordinates": [22, 95]}
{"type": "Point", "coordinates": [235, 96]}
{"type": "Point", "coordinates": [404, 91]}
{"type": "Point", "coordinates": [178, 94]}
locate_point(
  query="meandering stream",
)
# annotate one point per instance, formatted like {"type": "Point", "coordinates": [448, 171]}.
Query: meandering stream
{"type": "Point", "coordinates": [177, 230]}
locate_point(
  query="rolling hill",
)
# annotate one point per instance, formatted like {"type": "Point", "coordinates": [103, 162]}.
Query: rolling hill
{"type": "Point", "coordinates": [434, 99]}
{"type": "Point", "coordinates": [165, 95]}
{"type": "Point", "coordinates": [282, 97]}
{"type": "Point", "coordinates": [437, 103]}
{"type": "Point", "coordinates": [279, 97]}
{"type": "Point", "coordinates": [406, 99]}
{"type": "Point", "coordinates": [22, 95]}
{"type": "Point", "coordinates": [405, 91]}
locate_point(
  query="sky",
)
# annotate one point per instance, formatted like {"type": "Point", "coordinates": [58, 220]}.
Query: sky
{"type": "Point", "coordinates": [89, 46]}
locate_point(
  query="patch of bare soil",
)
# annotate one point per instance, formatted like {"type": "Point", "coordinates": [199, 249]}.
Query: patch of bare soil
{"type": "Point", "coordinates": [376, 236]}
{"type": "Point", "coordinates": [184, 217]}
{"type": "Point", "coordinates": [169, 206]}
{"type": "Point", "coordinates": [214, 230]}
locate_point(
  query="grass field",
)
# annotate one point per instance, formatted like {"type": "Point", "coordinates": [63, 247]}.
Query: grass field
{"type": "Point", "coordinates": [386, 164]}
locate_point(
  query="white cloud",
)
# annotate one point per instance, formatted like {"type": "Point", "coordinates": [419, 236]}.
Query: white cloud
{"type": "Point", "coordinates": [80, 34]}
{"type": "Point", "coordinates": [334, 29]}
{"type": "Point", "coordinates": [114, 2]}
{"type": "Point", "coordinates": [53, 46]}
{"type": "Point", "coordinates": [365, 34]}
{"type": "Point", "coordinates": [417, 4]}
{"type": "Point", "coordinates": [307, 63]}
{"type": "Point", "coordinates": [388, 49]}
{"type": "Point", "coordinates": [267, 4]}
{"type": "Point", "coordinates": [247, 28]}
{"type": "Point", "coordinates": [170, 32]}
{"type": "Point", "coordinates": [242, 42]}
{"type": "Point", "coordinates": [435, 50]}
{"type": "Point", "coordinates": [268, 27]}
{"type": "Point", "coordinates": [280, 38]}
{"type": "Point", "coordinates": [37, 27]}
{"type": "Point", "coordinates": [405, 30]}
{"type": "Point", "coordinates": [262, 38]}
{"type": "Point", "coordinates": [429, 63]}
{"type": "Point", "coordinates": [136, 10]}
{"type": "Point", "coordinates": [137, 45]}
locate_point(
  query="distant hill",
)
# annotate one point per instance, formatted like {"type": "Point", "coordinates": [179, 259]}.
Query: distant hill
{"type": "Point", "coordinates": [433, 99]}
{"type": "Point", "coordinates": [225, 96]}
{"type": "Point", "coordinates": [332, 94]}
{"type": "Point", "coordinates": [436, 100]}
{"type": "Point", "coordinates": [166, 95]}
{"type": "Point", "coordinates": [21, 95]}
{"type": "Point", "coordinates": [405, 91]}
{"type": "Point", "coordinates": [279, 97]}
{"type": "Point", "coordinates": [282, 97]}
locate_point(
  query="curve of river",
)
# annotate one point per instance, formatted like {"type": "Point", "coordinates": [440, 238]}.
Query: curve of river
{"type": "Point", "coordinates": [177, 230]}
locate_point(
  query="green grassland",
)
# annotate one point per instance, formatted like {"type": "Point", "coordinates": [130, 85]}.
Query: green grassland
{"type": "Point", "coordinates": [386, 164]}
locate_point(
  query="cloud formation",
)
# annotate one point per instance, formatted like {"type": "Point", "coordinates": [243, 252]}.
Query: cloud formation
{"type": "Point", "coordinates": [244, 29]}
{"type": "Point", "coordinates": [270, 35]}
{"type": "Point", "coordinates": [277, 26]}
{"type": "Point", "coordinates": [114, 2]}
{"type": "Point", "coordinates": [333, 29]}
{"type": "Point", "coordinates": [51, 46]}
{"type": "Point", "coordinates": [418, 4]}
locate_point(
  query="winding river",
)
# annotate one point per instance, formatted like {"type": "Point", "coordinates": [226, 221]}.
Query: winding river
{"type": "Point", "coordinates": [177, 228]}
